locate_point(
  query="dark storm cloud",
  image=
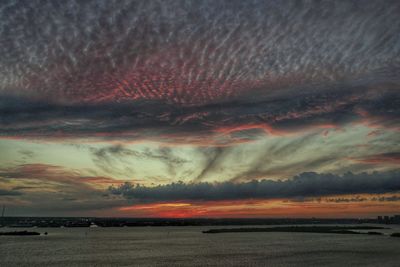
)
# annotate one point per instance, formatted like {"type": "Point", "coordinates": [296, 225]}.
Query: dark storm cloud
{"type": "Point", "coordinates": [304, 185]}
{"type": "Point", "coordinates": [178, 70]}
{"type": "Point", "coordinates": [152, 120]}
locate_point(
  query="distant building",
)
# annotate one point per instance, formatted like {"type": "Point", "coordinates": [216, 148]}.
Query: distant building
{"type": "Point", "coordinates": [395, 219]}
{"type": "Point", "coordinates": [386, 219]}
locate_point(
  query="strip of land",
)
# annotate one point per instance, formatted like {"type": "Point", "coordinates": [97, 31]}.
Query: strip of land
{"type": "Point", "coordinates": [300, 229]}
{"type": "Point", "coordinates": [19, 233]}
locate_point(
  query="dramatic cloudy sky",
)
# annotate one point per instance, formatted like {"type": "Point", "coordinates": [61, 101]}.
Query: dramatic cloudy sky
{"type": "Point", "coordinates": [200, 108]}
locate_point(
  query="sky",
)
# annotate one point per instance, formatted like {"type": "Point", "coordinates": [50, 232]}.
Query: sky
{"type": "Point", "coordinates": [200, 108]}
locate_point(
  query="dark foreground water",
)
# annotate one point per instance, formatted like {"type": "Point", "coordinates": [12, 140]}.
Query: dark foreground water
{"type": "Point", "coordinates": [187, 246]}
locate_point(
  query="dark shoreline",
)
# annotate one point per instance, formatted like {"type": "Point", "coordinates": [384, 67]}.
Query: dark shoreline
{"type": "Point", "coordinates": [300, 229]}
{"type": "Point", "coordinates": [19, 233]}
{"type": "Point", "coordinates": [25, 222]}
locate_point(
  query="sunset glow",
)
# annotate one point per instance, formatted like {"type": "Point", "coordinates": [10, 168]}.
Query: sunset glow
{"type": "Point", "coordinates": [200, 108]}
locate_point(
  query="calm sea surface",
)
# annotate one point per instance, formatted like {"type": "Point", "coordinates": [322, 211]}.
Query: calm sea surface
{"type": "Point", "coordinates": [187, 246]}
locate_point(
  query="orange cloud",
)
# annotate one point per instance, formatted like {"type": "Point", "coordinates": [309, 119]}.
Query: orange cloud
{"type": "Point", "coordinates": [384, 158]}
{"type": "Point", "coordinates": [56, 174]}
{"type": "Point", "coordinates": [262, 209]}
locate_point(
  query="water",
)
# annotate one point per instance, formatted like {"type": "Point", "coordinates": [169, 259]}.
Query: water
{"type": "Point", "coordinates": [187, 246]}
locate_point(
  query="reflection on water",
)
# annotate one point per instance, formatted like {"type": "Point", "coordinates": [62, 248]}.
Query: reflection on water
{"type": "Point", "coordinates": [187, 246]}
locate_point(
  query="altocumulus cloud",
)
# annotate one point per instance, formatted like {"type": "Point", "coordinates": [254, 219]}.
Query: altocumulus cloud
{"type": "Point", "coordinates": [184, 70]}
{"type": "Point", "coordinates": [307, 184]}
